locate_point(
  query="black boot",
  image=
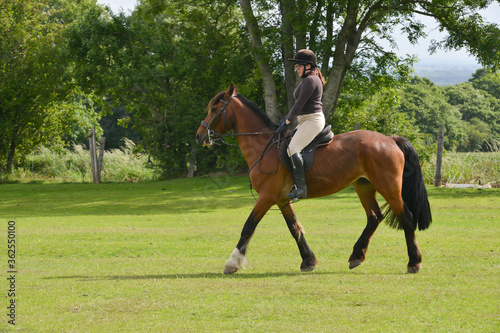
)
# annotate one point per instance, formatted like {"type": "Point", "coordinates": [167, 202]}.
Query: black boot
{"type": "Point", "coordinates": [299, 191]}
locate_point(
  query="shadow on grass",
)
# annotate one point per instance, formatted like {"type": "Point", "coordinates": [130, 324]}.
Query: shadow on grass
{"type": "Point", "coordinates": [207, 275]}
{"type": "Point", "coordinates": [175, 196]}
{"type": "Point", "coordinates": [458, 193]}
{"type": "Point", "coordinates": [198, 195]}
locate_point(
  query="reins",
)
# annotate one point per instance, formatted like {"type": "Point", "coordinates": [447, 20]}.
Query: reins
{"type": "Point", "coordinates": [213, 136]}
{"type": "Point", "coordinates": [275, 140]}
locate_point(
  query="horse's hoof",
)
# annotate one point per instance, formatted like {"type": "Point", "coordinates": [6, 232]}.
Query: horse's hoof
{"type": "Point", "coordinates": [355, 263]}
{"type": "Point", "coordinates": [307, 268]}
{"type": "Point", "coordinates": [308, 264]}
{"type": "Point", "coordinates": [230, 270]}
{"type": "Point", "coordinates": [413, 270]}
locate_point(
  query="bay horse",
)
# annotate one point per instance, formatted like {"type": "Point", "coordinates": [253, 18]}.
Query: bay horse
{"type": "Point", "coordinates": [370, 161]}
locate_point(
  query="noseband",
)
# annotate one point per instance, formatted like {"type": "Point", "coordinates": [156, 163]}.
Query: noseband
{"type": "Point", "coordinates": [213, 135]}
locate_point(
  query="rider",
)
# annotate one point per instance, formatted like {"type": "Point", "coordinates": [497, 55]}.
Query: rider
{"type": "Point", "coordinates": [309, 113]}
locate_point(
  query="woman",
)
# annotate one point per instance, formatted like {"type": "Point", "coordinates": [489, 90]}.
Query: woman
{"type": "Point", "coordinates": [309, 113]}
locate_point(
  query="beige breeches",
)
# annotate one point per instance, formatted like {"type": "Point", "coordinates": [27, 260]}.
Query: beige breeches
{"type": "Point", "coordinates": [309, 126]}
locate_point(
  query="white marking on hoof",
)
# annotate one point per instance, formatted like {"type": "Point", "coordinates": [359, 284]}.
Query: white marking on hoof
{"type": "Point", "coordinates": [236, 262]}
{"type": "Point", "coordinates": [355, 263]}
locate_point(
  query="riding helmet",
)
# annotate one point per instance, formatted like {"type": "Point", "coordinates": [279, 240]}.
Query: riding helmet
{"type": "Point", "coordinates": [305, 57]}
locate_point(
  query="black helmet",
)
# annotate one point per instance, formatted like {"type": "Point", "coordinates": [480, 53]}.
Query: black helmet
{"type": "Point", "coordinates": [304, 57]}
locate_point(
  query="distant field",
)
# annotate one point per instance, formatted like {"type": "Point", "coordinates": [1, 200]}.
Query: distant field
{"type": "Point", "coordinates": [444, 76]}
{"type": "Point", "coordinates": [137, 257]}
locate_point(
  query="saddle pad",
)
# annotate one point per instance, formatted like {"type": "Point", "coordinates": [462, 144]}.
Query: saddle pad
{"type": "Point", "coordinates": [322, 139]}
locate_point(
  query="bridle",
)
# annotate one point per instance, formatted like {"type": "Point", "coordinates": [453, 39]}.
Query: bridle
{"type": "Point", "coordinates": [212, 134]}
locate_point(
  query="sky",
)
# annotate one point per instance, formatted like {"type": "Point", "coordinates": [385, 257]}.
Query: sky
{"type": "Point", "coordinates": [451, 59]}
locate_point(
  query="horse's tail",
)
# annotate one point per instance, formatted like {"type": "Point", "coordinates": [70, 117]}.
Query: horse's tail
{"type": "Point", "coordinates": [413, 192]}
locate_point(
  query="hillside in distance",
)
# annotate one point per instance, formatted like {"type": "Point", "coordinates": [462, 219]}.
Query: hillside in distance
{"type": "Point", "coordinates": [442, 74]}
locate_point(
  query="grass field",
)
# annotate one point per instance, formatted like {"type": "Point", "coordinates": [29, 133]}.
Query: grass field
{"type": "Point", "coordinates": [137, 257]}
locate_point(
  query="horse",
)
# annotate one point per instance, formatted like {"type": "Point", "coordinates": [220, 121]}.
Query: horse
{"type": "Point", "coordinates": [370, 161]}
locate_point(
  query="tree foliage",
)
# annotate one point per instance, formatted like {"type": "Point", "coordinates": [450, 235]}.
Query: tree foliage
{"type": "Point", "coordinates": [428, 109]}
{"type": "Point", "coordinates": [164, 63]}
{"type": "Point", "coordinates": [30, 76]}
{"type": "Point", "coordinates": [67, 63]}
{"type": "Point", "coordinates": [471, 116]}
{"type": "Point", "coordinates": [35, 81]}
{"type": "Point", "coordinates": [346, 36]}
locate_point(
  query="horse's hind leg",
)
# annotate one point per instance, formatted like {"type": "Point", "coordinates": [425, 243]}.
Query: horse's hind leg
{"type": "Point", "coordinates": [411, 242]}
{"type": "Point", "coordinates": [366, 193]}
{"type": "Point", "coordinates": [405, 218]}
{"type": "Point", "coordinates": [308, 258]}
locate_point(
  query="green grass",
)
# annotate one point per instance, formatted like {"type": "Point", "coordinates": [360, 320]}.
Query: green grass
{"type": "Point", "coordinates": [149, 257]}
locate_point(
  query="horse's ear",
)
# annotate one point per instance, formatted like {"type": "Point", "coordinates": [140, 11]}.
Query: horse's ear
{"type": "Point", "coordinates": [231, 91]}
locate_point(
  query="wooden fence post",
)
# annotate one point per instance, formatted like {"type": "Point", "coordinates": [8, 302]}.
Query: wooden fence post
{"type": "Point", "coordinates": [101, 156]}
{"type": "Point", "coordinates": [95, 164]}
{"type": "Point", "coordinates": [192, 161]}
{"type": "Point", "coordinates": [439, 158]}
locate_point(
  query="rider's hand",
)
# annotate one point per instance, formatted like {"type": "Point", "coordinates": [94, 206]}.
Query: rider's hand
{"type": "Point", "coordinates": [283, 125]}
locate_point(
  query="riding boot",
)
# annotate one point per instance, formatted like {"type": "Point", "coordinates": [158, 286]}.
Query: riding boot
{"type": "Point", "coordinates": [299, 190]}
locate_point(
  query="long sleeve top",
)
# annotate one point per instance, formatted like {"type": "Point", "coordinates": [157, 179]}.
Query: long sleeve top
{"type": "Point", "coordinates": [307, 97]}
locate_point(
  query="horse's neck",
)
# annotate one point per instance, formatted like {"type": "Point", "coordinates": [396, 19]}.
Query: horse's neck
{"type": "Point", "coordinates": [254, 137]}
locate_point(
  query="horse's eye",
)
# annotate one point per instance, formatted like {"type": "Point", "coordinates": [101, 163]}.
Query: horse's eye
{"type": "Point", "coordinates": [213, 109]}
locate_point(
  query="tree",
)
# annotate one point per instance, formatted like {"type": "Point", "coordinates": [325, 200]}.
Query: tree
{"type": "Point", "coordinates": [164, 63]}
{"type": "Point", "coordinates": [472, 103]}
{"type": "Point", "coordinates": [32, 78]}
{"type": "Point", "coordinates": [428, 108]}
{"type": "Point", "coordinates": [346, 35]}
{"type": "Point", "coordinates": [479, 137]}
{"type": "Point", "coordinates": [479, 102]}
{"type": "Point", "coordinates": [488, 81]}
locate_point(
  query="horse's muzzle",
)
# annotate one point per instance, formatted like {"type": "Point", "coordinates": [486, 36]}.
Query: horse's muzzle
{"type": "Point", "coordinates": [202, 139]}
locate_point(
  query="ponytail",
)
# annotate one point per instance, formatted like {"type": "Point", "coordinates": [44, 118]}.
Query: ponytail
{"type": "Point", "coordinates": [318, 72]}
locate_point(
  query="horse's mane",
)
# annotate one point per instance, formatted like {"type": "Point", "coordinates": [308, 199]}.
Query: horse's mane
{"type": "Point", "coordinates": [250, 104]}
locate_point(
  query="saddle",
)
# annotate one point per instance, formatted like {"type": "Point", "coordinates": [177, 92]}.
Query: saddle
{"type": "Point", "coordinates": [322, 139]}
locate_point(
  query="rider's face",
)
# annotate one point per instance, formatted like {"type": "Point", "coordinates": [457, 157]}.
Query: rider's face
{"type": "Point", "coordinates": [300, 69]}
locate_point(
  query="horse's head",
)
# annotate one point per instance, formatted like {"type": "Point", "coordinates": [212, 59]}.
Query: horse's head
{"type": "Point", "coordinates": [214, 123]}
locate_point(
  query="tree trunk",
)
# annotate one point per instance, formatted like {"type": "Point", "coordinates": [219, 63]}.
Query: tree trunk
{"type": "Point", "coordinates": [439, 158]}
{"type": "Point", "coordinates": [265, 68]}
{"type": "Point", "coordinates": [101, 157]}
{"type": "Point", "coordinates": [329, 39]}
{"type": "Point", "coordinates": [288, 52]}
{"type": "Point", "coordinates": [192, 161]}
{"type": "Point", "coordinates": [12, 153]}
{"type": "Point", "coordinates": [348, 41]}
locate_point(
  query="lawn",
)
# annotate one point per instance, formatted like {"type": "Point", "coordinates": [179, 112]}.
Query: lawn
{"type": "Point", "coordinates": [132, 257]}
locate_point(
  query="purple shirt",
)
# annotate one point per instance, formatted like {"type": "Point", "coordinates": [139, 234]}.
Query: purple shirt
{"type": "Point", "coordinates": [307, 97]}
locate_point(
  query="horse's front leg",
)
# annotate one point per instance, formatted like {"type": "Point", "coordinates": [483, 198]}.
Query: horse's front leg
{"type": "Point", "coordinates": [238, 259]}
{"type": "Point", "coordinates": [308, 258]}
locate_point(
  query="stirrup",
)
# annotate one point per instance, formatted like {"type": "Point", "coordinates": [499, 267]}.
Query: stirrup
{"type": "Point", "coordinates": [293, 195]}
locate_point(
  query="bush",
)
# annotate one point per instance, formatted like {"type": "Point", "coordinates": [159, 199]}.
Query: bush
{"type": "Point", "coordinates": [466, 168]}
{"type": "Point", "coordinates": [74, 165]}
